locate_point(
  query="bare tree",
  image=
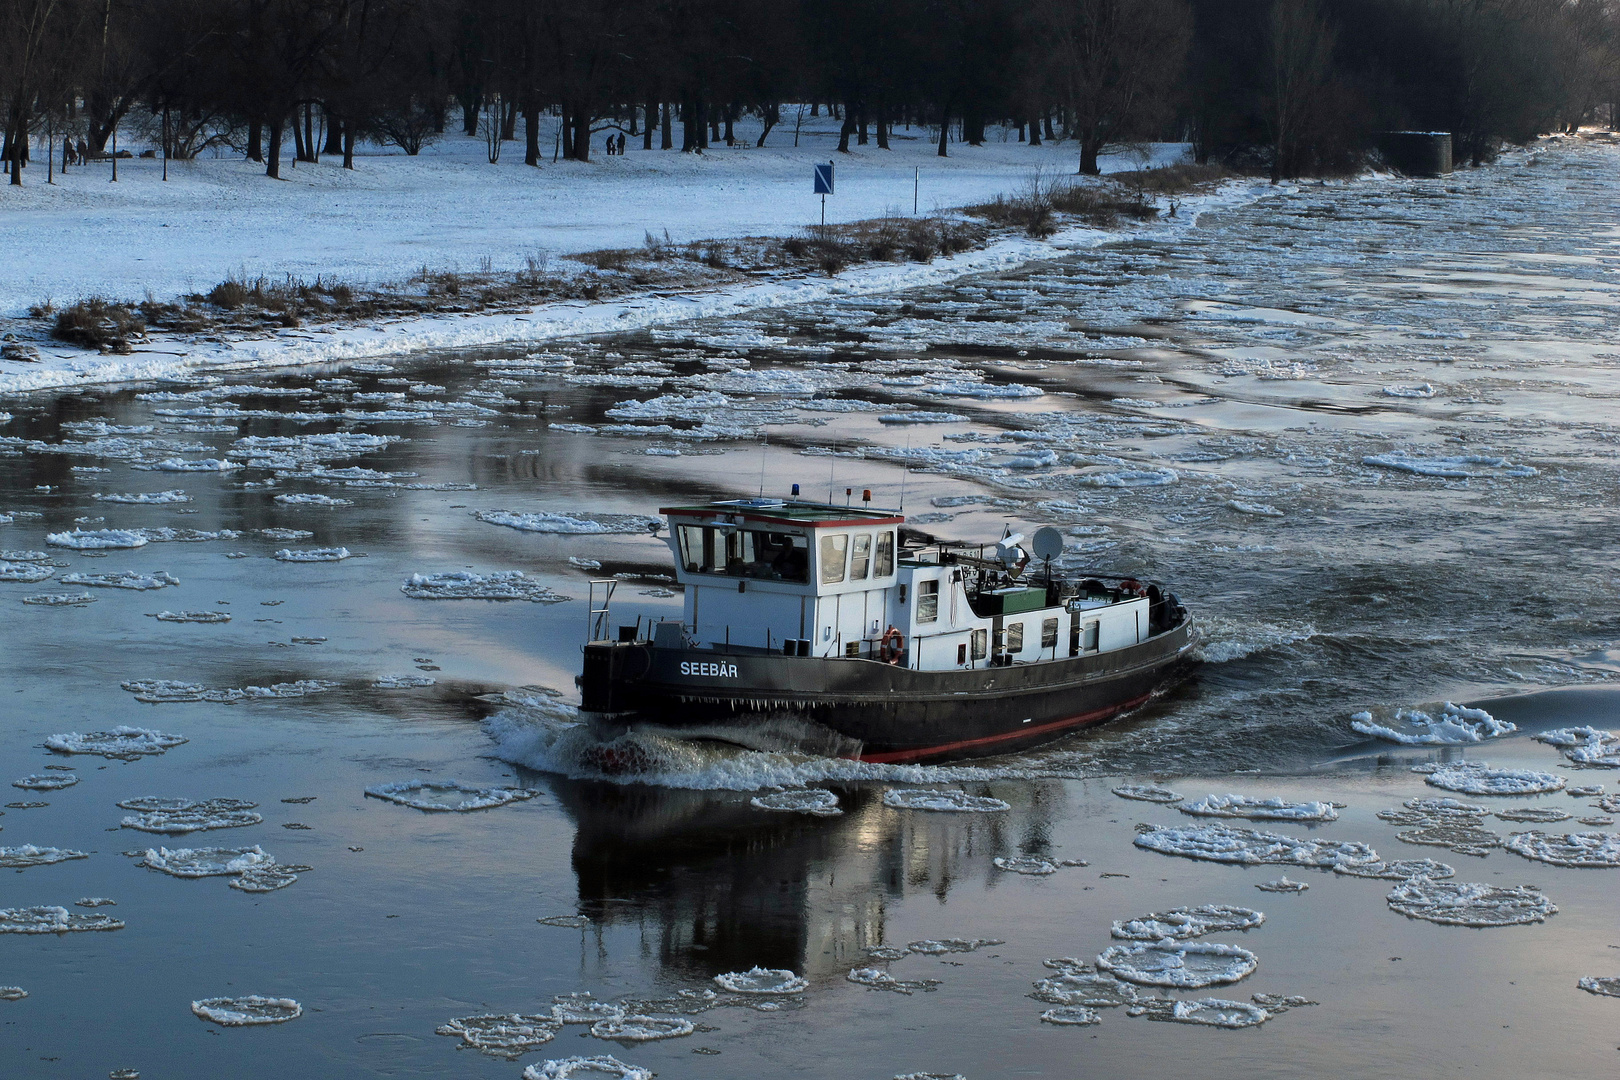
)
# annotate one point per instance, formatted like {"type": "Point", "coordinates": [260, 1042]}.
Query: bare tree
{"type": "Point", "coordinates": [1300, 67]}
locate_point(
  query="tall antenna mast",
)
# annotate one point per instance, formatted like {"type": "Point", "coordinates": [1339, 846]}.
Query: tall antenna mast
{"type": "Point", "coordinates": [764, 444]}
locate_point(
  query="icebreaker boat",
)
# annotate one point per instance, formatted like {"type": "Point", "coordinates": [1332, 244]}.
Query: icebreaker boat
{"type": "Point", "coordinates": [839, 630]}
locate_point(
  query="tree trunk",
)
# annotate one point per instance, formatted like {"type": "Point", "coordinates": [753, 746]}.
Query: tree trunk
{"type": "Point", "coordinates": [1035, 129]}
{"type": "Point", "coordinates": [944, 129]}
{"type": "Point", "coordinates": [310, 146]}
{"type": "Point", "coordinates": [565, 128]}
{"type": "Point", "coordinates": [299, 153]}
{"type": "Point", "coordinates": [1046, 126]}
{"type": "Point", "coordinates": [582, 136]}
{"type": "Point", "coordinates": [845, 130]}
{"type": "Point", "coordinates": [469, 114]}
{"type": "Point", "coordinates": [666, 138]}
{"type": "Point", "coordinates": [531, 130]}
{"type": "Point", "coordinates": [883, 124]}
{"type": "Point", "coordinates": [861, 137]}
{"type": "Point", "coordinates": [652, 122]}
{"type": "Point", "coordinates": [348, 146]}
{"type": "Point", "coordinates": [702, 125]}
{"type": "Point", "coordinates": [1090, 146]}
{"type": "Point", "coordinates": [731, 138]}
{"type": "Point", "coordinates": [255, 149]}
{"type": "Point", "coordinates": [334, 132]}
{"type": "Point", "coordinates": [509, 120]}
{"type": "Point", "coordinates": [273, 158]}
{"type": "Point", "coordinates": [771, 114]}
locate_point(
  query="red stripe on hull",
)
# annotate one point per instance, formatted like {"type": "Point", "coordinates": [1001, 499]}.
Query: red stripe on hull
{"type": "Point", "coordinates": [988, 740]}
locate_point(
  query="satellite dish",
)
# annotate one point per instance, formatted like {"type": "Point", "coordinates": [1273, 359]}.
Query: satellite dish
{"type": "Point", "coordinates": [1048, 543]}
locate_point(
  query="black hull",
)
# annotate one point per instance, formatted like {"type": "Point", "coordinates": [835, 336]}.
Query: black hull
{"type": "Point", "coordinates": [870, 710]}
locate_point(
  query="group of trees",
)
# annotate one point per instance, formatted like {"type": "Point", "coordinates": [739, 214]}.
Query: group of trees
{"type": "Point", "coordinates": [1298, 86]}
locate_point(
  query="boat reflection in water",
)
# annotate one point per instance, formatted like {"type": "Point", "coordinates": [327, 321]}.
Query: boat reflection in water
{"type": "Point", "coordinates": [719, 885]}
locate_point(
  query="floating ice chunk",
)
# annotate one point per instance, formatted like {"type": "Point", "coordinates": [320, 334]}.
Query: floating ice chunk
{"type": "Point", "coordinates": [941, 946]}
{"type": "Point", "coordinates": [642, 1028]}
{"type": "Point", "coordinates": [1448, 468]}
{"type": "Point", "coordinates": [46, 782]}
{"type": "Point", "coordinates": [311, 499]}
{"type": "Point", "coordinates": [25, 573]}
{"type": "Point", "coordinates": [129, 579]}
{"type": "Point", "coordinates": [94, 901]}
{"type": "Point", "coordinates": [498, 585]}
{"type": "Point", "coordinates": [1257, 509]}
{"type": "Point", "coordinates": [1586, 745]}
{"type": "Point", "coordinates": [1025, 864]}
{"type": "Point", "coordinates": [1211, 1012]}
{"type": "Point", "coordinates": [175, 464]}
{"type": "Point", "coordinates": [20, 858]}
{"type": "Point", "coordinates": [1184, 923]}
{"type": "Point", "coordinates": [1455, 726]}
{"type": "Point", "coordinates": [247, 1011]}
{"type": "Point", "coordinates": [124, 742]}
{"type": "Point", "coordinates": [1250, 847]}
{"type": "Point", "coordinates": [508, 1036]}
{"type": "Point", "coordinates": [1242, 806]}
{"type": "Point", "coordinates": [60, 599]}
{"type": "Point", "coordinates": [1572, 849]}
{"type": "Point", "coordinates": [1410, 390]}
{"type": "Point", "coordinates": [403, 682]}
{"type": "Point", "coordinates": [583, 1009]}
{"type": "Point", "coordinates": [1071, 1016]}
{"type": "Point", "coordinates": [987, 391]}
{"type": "Point", "coordinates": [922, 416]}
{"type": "Point", "coordinates": [206, 862]}
{"type": "Point", "coordinates": [877, 979]}
{"type": "Point", "coordinates": [263, 879]}
{"type": "Point", "coordinates": [175, 817]}
{"type": "Point", "coordinates": [929, 1076]}
{"type": "Point", "coordinates": [817, 801]}
{"type": "Point", "coordinates": [1606, 985]}
{"type": "Point", "coordinates": [1435, 811]}
{"type": "Point", "coordinates": [572, 922]}
{"type": "Point", "coordinates": [1397, 869]}
{"type": "Point", "coordinates": [192, 616]}
{"type": "Point", "coordinates": [155, 498]}
{"type": "Point", "coordinates": [1465, 903]}
{"type": "Point", "coordinates": [760, 980]}
{"type": "Point", "coordinates": [12, 993]}
{"type": "Point", "coordinates": [1147, 793]}
{"type": "Point", "coordinates": [926, 799]}
{"type": "Point", "coordinates": [587, 1068]}
{"type": "Point", "coordinates": [1478, 778]}
{"type": "Point", "coordinates": [19, 555]}
{"type": "Point", "coordinates": [443, 795]}
{"type": "Point", "coordinates": [337, 554]}
{"type": "Point", "coordinates": [1282, 885]}
{"type": "Point", "coordinates": [571, 524]}
{"type": "Point", "coordinates": [186, 536]}
{"type": "Point", "coordinates": [285, 534]}
{"type": "Point", "coordinates": [584, 564]}
{"type": "Point", "coordinates": [1539, 815]}
{"type": "Point", "coordinates": [160, 691]}
{"type": "Point", "coordinates": [1130, 478]}
{"type": "Point", "coordinates": [52, 920]}
{"type": "Point", "coordinates": [97, 539]}
{"type": "Point", "coordinates": [1184, 965]}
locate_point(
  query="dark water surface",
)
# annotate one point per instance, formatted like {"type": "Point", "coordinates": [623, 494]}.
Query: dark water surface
{"type": "Point", "coordinates": [1365, 431]}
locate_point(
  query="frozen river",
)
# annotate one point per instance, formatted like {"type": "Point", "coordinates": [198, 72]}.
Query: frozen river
{"type": "Point", "coordinates": [1366, 432]}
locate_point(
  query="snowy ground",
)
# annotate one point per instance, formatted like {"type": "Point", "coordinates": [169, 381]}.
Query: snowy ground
{"type": "Point", "coordinates": [450, 209]}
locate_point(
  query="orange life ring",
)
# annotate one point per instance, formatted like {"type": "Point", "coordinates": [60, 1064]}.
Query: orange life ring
{"type": "Point", "coordinates": [894, 643]}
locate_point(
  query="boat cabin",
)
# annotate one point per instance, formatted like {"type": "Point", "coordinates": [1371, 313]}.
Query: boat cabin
{"type": "Point", "coordinates": [838, 582]}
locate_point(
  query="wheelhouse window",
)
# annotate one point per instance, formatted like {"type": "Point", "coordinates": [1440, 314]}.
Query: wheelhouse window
{"type": "Point", "coordinates": [745, 553]}
{"type": "Point", "coordinates": [981, 644]}
{"type": "Point", "coordinates": [883, 565]}
{"type": "Point", "coordinates": [1015, 637]}
{"type": "Point", "coordinates": [834, 547]}
{"type": "Point", "coordinates": [1049, 633]}
{"type": "Point", "coordinates": [927, 601]}
{"type": "Point", "coordinates": [860, 557]}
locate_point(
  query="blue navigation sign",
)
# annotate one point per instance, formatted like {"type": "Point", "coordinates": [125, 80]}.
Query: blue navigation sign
{"type": "Point", "coordinates": [824, 179]}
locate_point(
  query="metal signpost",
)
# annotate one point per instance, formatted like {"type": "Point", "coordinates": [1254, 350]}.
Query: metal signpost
{"type": "Point", "coordinates": [824, 187]}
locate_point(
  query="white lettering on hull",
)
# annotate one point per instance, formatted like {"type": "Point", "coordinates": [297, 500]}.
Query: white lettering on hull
{"type": "Point", "coordinates": [713, 671]}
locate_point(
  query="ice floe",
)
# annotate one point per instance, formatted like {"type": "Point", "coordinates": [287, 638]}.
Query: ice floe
{"type": "Point", "coordinates": [311, 499]}
{"type": "Point", "coordinates": [1454, 726]}
{"type": "Point", "coordinates": [1251, 847]}
{"type": "Point", "coordinates": [1585, 745]}
{"type": "Point", "coordinates": [153, 498]}
{"type": "Point", "coordinates": [123, 742]}
{"type": "Point", "coordinates": [314, 555]}
{"type": "Point", "coordinates": [1071, 1016]}
{"type": "Point", "coordinates": [1479, 778]}
{"type": "Point", "coordinates": [1184, 923]}
{"type": "Point", "coordinates": [1079, 984]}
{"type": "Point", "coordinates": [637, 1029]}
{"type": "Point", "coordinates": [588, 524]}
{"type": "Point", "coordinates": [941, 946]}
{"type": "Point", "coordinates": [25, 573]}
{"type": "Point", "coordinates": [12, 993]}
{"type": "Point", "coordinates": [1397, 869]}
{"type": "Point", "coordinates": [447, 795]}
{"type": "Point", "coordinates": [97, 539]}
{"type": "Point", "coordinates": [1025, 864]}
{"type": "Point", "coordinates": [817, 801]}
{"type": "Point", "coordinates": [571, 922]}
{"type": "Point", "coordinates": [175, 817]}
{"type": "Point", "coordinates": [53, 920]}
{"type": "Point", "coordinates": [205, 862]}
{"type": "Point", "coordinates": [161, 691]}
{"type": "Point", "coordinates": [1210, 1012]}
{"type": "Point", "coordinates": [46, 781]}
{"type": "Point", "coordinates": [1459, 467]}
{"type": "Point", "coordinates": [1282, 885]}
{"type": "Point", "coordinates": [877, 979]}
{"type": "Point", "coordinates": [19, 555]}
{"type": "Point", "coordinates": [129, 579]}
{"type": "Point", "coordinates": [94, 901]}
{"type": "Point", "coordinates": [586, 1068]}
{"type": "Point", "coordinates": [760, 980]}
{"type": "Point", "coordinates": [1188, 965]}
{"type": "Point", "coordinates": [174, 464]}
{"type": "Point", "coordinates": [209, 617]}
{"type": "Point", "coordinates": [926, 799]}
{"type": "Point", "coordinates": [1147, 793]}
{"type": "Point", "coordinates": [1606, 985]}
{"type": "Point", "coordinates": [1539, 815]}
{"type": "Point", "coordinates": [1243, 806]}
{"type": "Point", "coordinates": [247, 1011]}
{"type": "Point", "coordinates": [583, 1008]}
{"type": "Point", "coordinates": [266, 878]}
{"type": "Point", "coordinates": [1466, 903]}
{"type": "Point", "coordinates": [26, 855]}
{"type": "Point", "coordinates": [60, 599]}
{"type": "Point", "coordinates": [402, 682]}
{"type": "Point", "coordinates": [1571, 849]}
{"type": "Point", "coordinates": [497, 585]}
{"type": "Point", "coordinates": [285, 534]}
{"type": "Point", "coordinates": [508, 1036]}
